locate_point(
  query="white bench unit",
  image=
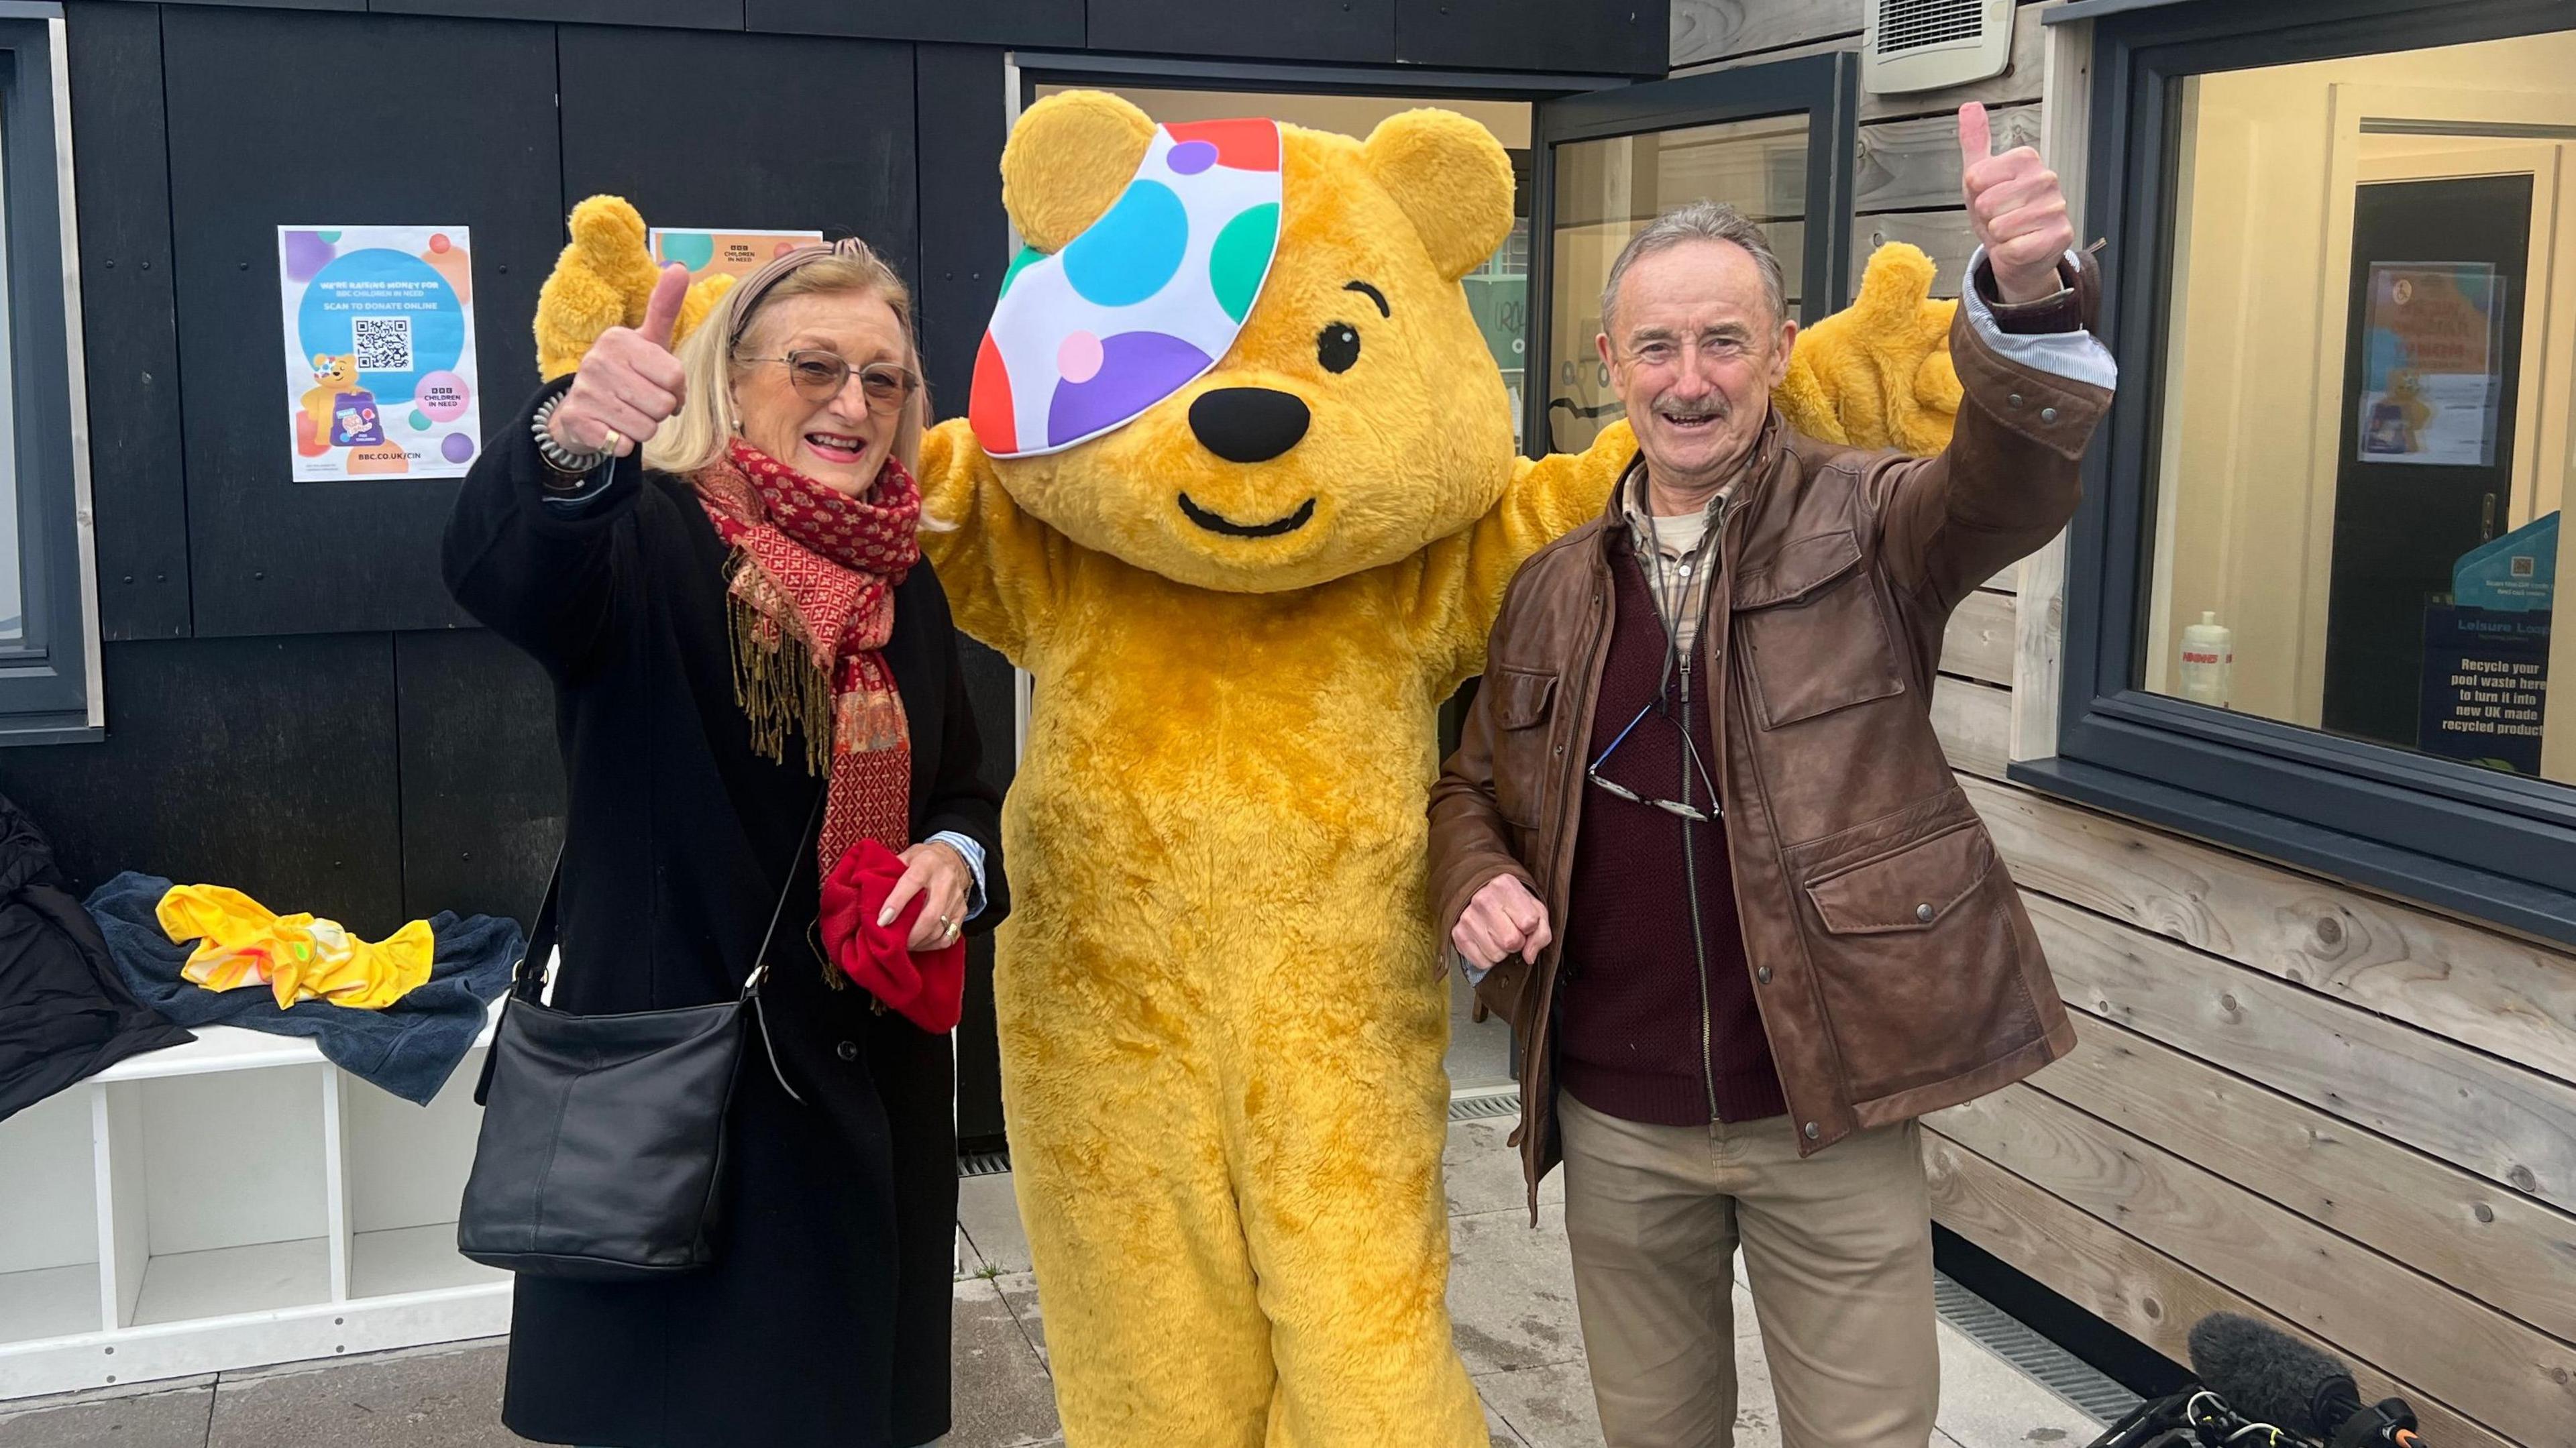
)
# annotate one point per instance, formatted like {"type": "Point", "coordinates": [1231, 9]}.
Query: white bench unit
{"type": "Point", "coordinates": [230, 1203]}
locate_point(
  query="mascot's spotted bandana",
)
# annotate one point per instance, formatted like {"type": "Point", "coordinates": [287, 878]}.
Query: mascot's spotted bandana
{"type": "Point", "coordinates": [818, 568]}
{"type": "Point", "coordinates": [1142, 303]}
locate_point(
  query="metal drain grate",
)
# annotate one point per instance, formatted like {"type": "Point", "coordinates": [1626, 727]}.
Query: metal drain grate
{"type": "Point", "coordinates": [1475, 1106]}
{"type": "Point", "coordinates": [2004, 1335]}
{"type": "Point", "coordinates": [1484, 1105]}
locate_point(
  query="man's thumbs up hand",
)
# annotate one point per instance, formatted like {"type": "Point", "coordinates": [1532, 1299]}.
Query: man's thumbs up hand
{"type": "Point", "coordinates": [629, 384]}
{"type": "Point", "coordinates": [2015, 207]}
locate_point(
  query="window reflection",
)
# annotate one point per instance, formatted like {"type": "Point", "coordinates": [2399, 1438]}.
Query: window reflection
{"type": "Point", "coordinates": [1608, 190]}
{"type": "Point", "coordinates": [2367, 435]}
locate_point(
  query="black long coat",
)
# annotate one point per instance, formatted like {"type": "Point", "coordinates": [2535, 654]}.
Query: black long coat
{"type": "Point", "coordinates": [825, 1320]}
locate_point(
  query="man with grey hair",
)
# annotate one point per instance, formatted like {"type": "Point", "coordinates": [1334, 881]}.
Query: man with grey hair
{"type": "Point", "coordinates": [1700, 845]}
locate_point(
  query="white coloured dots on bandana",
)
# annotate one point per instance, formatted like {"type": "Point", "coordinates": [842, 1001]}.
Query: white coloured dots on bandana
{"type": "Point", "coordinates": [1140, 304]}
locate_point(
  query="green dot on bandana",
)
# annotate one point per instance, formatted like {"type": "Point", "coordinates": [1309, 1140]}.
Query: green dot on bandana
{"type": "Point", "coordinates": [1241, 256]}
{"type": "Point", "coordinates": [1029, 256]}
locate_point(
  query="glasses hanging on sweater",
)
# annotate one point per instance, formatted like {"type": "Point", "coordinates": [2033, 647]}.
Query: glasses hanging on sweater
{"type": "Point", "coordinates": [1690, 750]}
{"type": "Point", "coordinates": [1673, 656]}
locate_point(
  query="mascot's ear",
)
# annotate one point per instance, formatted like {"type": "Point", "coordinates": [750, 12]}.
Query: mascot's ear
{"type": "Point", "coordinates": [1068, 159]}
{"type": "Point", "coordinates": [1452, 179]}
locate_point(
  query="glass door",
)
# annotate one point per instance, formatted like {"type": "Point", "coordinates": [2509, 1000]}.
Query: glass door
{"type": "Point", "coordinates": [1775, 141]}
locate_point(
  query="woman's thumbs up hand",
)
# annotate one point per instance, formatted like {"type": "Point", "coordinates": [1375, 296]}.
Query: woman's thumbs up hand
{"type": "Point", "coordinates": [629, 384]}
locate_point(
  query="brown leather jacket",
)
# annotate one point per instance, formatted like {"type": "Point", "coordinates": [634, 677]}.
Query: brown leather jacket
{"type": "Point", "coordinates": [1894, 967]}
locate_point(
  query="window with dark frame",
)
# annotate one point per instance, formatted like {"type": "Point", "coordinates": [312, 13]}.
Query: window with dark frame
{"type": "Point", "coordinates": [2310, 593]}
{"type": "Point", "coordinates": [1775, 140]}
{"type": "Point", "coordinates": [49, 627]}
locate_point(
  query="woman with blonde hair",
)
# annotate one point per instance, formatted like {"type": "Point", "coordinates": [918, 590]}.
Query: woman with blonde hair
{"type": "Point", "coordinates": [758, 688]}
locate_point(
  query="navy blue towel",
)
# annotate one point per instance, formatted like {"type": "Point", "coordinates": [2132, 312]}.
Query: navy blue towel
{"type": "Point", "coordinates": [409, 1048]}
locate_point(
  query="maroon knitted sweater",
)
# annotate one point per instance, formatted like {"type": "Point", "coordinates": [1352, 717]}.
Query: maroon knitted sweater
{"type": "Point", "coordinates": [1635, 1040]}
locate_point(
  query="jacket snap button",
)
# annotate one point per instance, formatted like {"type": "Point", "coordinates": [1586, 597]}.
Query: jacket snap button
{"type": "Point", "coordinates": [2048, 414]}
{"type": "Point", "coordinates": [847, 1050]}
{"type": "Point", "coordinates": [1812, 1132]}
{"type": "Point", "coordinates": [1763, 975]}
{"type": "Point", "coordinates": [2014, 399]}
{"type": "Point", "coordinates": [1923, 913]}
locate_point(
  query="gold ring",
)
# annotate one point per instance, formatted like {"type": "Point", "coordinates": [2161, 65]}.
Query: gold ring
{"type": "Point", "coordinates": [615, 439]}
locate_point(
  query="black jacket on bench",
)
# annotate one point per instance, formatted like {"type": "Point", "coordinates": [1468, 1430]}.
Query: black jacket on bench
{"type": "Point", "coordinates": [65, 1014]}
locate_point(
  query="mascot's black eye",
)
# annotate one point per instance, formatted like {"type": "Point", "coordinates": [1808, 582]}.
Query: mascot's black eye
{"type": "Point", "coordinates": [1338, 347]}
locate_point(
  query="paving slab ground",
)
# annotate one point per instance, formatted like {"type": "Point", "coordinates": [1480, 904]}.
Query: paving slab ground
{"type": "Point", "coordinates": [1511, 1296]}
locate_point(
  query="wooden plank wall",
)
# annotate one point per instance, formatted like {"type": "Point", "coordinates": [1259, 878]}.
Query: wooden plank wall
{"type": "Point", "coordinates": [2337, 1112]}
{"type": "Point", "coordinates": [1907, 185]}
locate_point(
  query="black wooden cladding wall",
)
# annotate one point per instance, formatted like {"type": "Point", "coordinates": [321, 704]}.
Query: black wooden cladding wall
{"type": "Point", "coordinates": [294, 705]}
{"type": "Point", "coordinates": [1605, 37]}
{"type": "Point", "coordinates": [306, 650]}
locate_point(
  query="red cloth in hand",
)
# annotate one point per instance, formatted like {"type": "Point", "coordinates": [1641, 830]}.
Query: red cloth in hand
{"type": "Point", "coordinates": [927, 986]}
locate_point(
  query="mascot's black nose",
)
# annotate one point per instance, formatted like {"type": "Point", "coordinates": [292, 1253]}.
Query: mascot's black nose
{"type": "Point", "coordinates": [1248, 424]}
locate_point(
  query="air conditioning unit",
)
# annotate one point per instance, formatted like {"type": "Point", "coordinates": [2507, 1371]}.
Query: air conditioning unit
{"type": "Point", "coordinates": [1916, 45]}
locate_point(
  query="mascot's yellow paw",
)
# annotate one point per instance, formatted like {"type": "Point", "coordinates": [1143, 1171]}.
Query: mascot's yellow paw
{"type": "Point", "coordinates": [706, 291]}
{"type": "Point", "coordinates": [1878, 373]}
{"type": "Point", "coordinates": [602, 280]}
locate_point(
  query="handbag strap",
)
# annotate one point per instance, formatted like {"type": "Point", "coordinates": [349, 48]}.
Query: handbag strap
{"type": "Point", "coordinates": [528, 983]}
{"type": "Point", "coordinates": [541, 937]}
{"type": "Point", "coordinates": [804, 841]}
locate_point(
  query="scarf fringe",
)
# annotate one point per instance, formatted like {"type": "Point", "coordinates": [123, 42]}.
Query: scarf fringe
{"type": "Point", "coordinates": [778, 686]}
{"type": "Point", "coordinates": [808, 610]}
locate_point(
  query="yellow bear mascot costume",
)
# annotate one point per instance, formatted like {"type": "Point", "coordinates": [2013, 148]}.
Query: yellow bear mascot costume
{"type": "Point", "coordinates": [1243, 600]}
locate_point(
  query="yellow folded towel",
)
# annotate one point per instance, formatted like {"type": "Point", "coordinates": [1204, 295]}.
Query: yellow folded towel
{"type": "Point", "coordinates": [299, 957]}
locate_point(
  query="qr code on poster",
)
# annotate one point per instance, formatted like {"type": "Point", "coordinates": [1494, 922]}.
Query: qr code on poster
{"type": "Point", "coordinates": [383, 343]}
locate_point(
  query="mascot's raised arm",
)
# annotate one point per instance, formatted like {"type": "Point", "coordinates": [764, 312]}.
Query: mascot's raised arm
{"type": "Point", "coordinates": [1237, 486]}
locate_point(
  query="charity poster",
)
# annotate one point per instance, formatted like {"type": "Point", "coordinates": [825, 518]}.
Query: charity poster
{"type": "Point", "coordinates": [380, 377]}
{"type": "Point", "coordinates": [732, 253]}
{"type": "Point", "coordinates": [2430, 383]}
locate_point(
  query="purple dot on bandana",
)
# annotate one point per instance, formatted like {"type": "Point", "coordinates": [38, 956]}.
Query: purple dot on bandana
{"type": "Point", "coordinates": [1078, 359]}
{"type": "Point", "coordinates": [1189, 158]}
{"type": "Point", "coordinates": [1137, 370]}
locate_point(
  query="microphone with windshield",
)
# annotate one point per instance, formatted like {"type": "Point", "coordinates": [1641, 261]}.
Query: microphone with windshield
{"type": "Point", "coordinates": [2269, 1377]}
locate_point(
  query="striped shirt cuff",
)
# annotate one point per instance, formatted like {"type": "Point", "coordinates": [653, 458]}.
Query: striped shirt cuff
{"type": "Point", "coordinates": [2075, 355]}
{"type": "Point", "coordinates": [974, 854]}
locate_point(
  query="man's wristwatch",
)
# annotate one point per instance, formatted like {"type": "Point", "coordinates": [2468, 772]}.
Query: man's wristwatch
{"type": "Point", "coordinates": [562, 459]}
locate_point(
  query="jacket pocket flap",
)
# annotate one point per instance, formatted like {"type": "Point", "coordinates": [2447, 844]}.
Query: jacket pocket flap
{"type": "Point", "coordinates": [1908, 890]}
{"type": "Point", "coordinates": [1521, 696]}
{"type": "Point", "coordinates": [1800, 567]}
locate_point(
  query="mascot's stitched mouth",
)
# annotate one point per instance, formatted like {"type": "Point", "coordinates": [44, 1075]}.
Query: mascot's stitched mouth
{"type": "Point", "coordinates": [1218, 523]}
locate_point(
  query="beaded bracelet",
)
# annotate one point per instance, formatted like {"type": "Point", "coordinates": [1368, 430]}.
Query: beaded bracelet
{"type": "Point", "coordinates": [558, 457]}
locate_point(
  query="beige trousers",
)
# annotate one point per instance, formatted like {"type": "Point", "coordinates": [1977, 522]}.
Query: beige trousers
{"type": "Point", "coordinates": [1839, 1250]}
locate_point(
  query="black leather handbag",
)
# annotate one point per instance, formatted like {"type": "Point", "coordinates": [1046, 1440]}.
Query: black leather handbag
{"type": "Point", "coordinates": [601, 1154]}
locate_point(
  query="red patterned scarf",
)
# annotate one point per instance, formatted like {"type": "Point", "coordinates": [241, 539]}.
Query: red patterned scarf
{"type": "Point", "coordinates": [819, 568]}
